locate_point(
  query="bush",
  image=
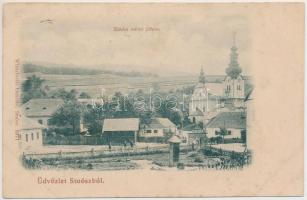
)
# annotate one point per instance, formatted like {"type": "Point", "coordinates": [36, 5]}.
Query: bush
{"type": "Point", "coordinates": [180, 166]}
{"type": "Point", "coordinates": [193, 155]}
{"type": "Point", "coordinates": [199, 159]}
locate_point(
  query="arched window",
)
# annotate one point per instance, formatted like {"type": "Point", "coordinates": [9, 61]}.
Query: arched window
{"type": "Point", "coordinates": [194, 120]}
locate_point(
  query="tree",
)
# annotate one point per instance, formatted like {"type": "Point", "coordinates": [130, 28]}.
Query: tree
{"type": "Point", "coordinates": [32, 88]}
{"type": "Point", "coordinates": [65, 95]}
{"type": "Point", "coordinates": [93, 118]}
{"type": "Point", "coordinates": [243, 136]}
{"type": "Point", "coordinates": [84, 95]}
{"type": "Point", "coordinates": [186, 121]}
{"type": "Point", "coordinates": [201, 125]}
{"type": "Point", "coordinates": [68, 115]}
{"type": "Point", "coordinates": [223, 131]}
{"type": "Point", "coordinates": [146, 117]}
{"type": "Point", "coordinates": [156, 86]}
{"type": "Point", "coordinates": [188, 90]}
{"type": "Point", "coordinates": [122, 106]}
{"type": "Point", "coordinates": [168, 110]}
{"type": "Point", "coordinates": [176, 117]}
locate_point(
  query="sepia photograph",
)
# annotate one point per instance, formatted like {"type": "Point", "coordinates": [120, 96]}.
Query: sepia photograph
{"type": "Point", "coordinates": [173, 92]}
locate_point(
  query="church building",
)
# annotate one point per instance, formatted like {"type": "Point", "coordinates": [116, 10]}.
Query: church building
{"type": "Point", "coordinates": [234, 82]}
{"type": "Point", "coordinates": [198, 104]}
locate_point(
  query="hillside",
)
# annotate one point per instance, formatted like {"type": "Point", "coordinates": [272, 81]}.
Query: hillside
{"type": "Point", "coordinates": [64, 70]}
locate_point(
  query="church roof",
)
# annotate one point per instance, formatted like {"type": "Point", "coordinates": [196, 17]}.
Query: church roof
{"type": "Point", "coordinates": [200, 85]}
{"type": "Point", "coordinates": [248, 96]}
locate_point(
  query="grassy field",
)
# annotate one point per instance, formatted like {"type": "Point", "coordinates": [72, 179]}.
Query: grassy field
{"type": "Point", "coordinates": [94, 84]}
{"type": "Point", "coordinates": [157, 161]}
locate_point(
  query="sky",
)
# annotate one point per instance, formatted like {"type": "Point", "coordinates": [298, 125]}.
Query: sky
{"type": "Point", "coordinates": [186, 38]}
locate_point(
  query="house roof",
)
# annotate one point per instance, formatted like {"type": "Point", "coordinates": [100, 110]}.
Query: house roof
{"type": "Point", "coordinates": [228, 120]}
{"type": "Point", "coordinates": [122, 124]}
{"type": "Point", "coordinates": [197, 112]}
{"type": "Point", "coordinates": [28, 124]}
{"type": "Point", "coordinates": [249, 95]}
{"type": "Point", "coordinates": [41, 107]}
{"type": "Point", "coordinates": [160, 123]}
{"type": "Point", "coordinates": [192, 127]}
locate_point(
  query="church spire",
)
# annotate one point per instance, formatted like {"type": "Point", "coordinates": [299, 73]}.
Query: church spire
{"type": "Point", "coordinates": [202, 78]}
{"type": "Point", "coordinates": [233, 69]}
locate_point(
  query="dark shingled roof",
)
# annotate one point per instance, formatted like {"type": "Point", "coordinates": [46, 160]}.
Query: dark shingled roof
{"type": "Point", "coordinates": [228, 120]}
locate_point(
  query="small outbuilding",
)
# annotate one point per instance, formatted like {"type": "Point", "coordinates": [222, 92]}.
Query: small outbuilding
{"type": "Point", "coordinates": [174, 150]}
{"type": "Point", "coordinates": [121, 131]}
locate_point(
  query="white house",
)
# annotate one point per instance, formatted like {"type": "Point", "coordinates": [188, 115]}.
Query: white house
{"type": "Point", "coordinates": [233, 122]}
{"type": "Point", "coordinates": [157, 128]}
{"type": "Point", "coordinates": [30, 133]}
{"type": "Point", "coordinates": [41, 110]}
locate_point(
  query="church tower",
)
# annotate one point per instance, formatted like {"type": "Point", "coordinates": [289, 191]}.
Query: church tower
{"type": "Point", "coordinates": [234, 82]}
{"type": "Point", "coordinates": [198, 102]}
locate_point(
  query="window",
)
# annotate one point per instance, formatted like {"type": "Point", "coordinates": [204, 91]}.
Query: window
{"type": "Point", "coordinates": [228, 88]}
{"type": "Point", "coordinates": [27, 138]}
{"type": "Point", "coordinates": [229, 132]}
{"type": "Point", "coordinates": [32, 136]}
{"type": "Point", "coordinates": [40, 121]}
{"type": "Point", "coordinates": [37, 135]}
{"type": "Point", "coordinates": [148, 131]}
{"type": "Point", "coordinates": [238, 87]}
{"type": "Point", "coordinates": [155, 131]}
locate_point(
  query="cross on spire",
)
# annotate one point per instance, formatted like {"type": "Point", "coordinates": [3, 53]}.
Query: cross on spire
{"type": "Point", "coordinates": [233, 69]}
{"type": "Point", "coordinates": [234, 38]}
{"type": "Point", "coordinates": [202, 78]}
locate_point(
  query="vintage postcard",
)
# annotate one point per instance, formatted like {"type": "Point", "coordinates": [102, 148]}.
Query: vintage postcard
{"type": "Point", "coordinates": [153, 100]}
